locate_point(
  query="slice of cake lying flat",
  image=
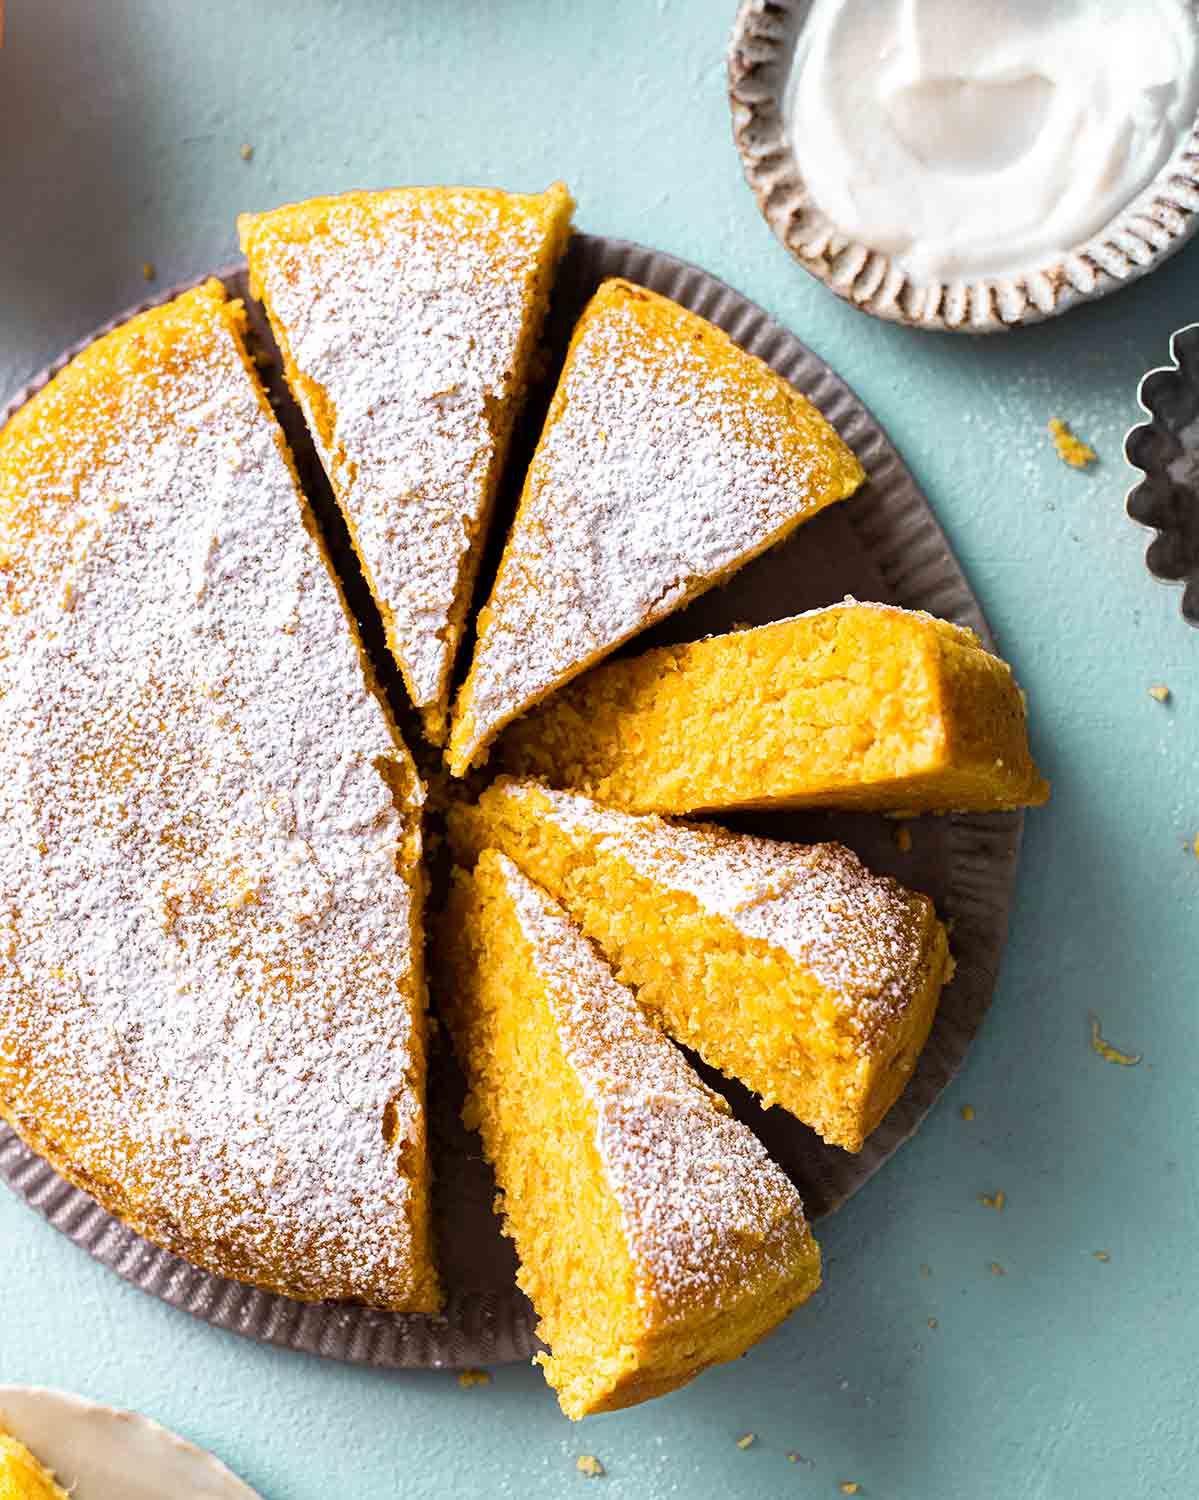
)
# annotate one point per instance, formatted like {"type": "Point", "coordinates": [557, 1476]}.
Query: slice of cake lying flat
{"type": "Point", "coordinates": [669, 458]}
{"type": "Point", "coordinates": [859, 705]}
{"type": "Point", "coordinates": [22, 1477]}
{"type": "Point", "coordinates": [211, 990]}
{"type": "Point", "coordinates": [791, 968]}
{"type": "Point", "coordinates": [654, 1234]}
{"type": "Point", "coordinates": [408, 322]}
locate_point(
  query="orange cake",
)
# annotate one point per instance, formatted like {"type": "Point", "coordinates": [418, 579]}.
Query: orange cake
{"type": "Point", "coordinates": [408, 321]}
{"type": "Point", "coordinates": [791, 968]}
{"type": "Point", "coordinates": [22, 1477]}
{"type": "Point", "coordinates": [669, 458]}
{"type": "Point", "coordinates": [860, 705]}
{"type": "Point", "coordinates": [655, 1236]}
{"type": "Point", "coordinates": [211, 989]}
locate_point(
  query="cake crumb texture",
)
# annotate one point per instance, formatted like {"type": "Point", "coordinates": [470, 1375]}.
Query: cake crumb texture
{"type": "Point", "coordinates": [790, 967]}
{"type": "Point", "coordinates": [408, 321]}
{"type": "Point", "coordinates": [855, 706]}
{"type": "Point", "coordinates": [22, 1477]}
{"type": "Point", "coordinates": [669, 458]}
{"type": "Point", "coordinates": [1107, 1052]}
{"type": "Point", "coordinates": [1070, 449]}
{"type": "Point", "coordinates": [211, 987]}
{"type": "Point", "coordinates": [683, 1244]}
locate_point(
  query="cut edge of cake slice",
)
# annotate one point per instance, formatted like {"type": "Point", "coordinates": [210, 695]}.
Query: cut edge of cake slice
{"type": "Point", "coordinates": [789, 967]}
{"type": "Point", "coordinates": [655, 1236]}
{"type": "Point", "coordinates": [670, 457]}
{"type": "Point", "coordinates": [857, 705]}
{"type": "Point", "coordinates": [403, 780]}
{"type": "Point", "coordinates": [438, 328]}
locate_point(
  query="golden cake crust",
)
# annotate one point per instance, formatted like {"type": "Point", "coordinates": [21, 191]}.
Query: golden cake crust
{"type": "Point", "coordinates": [211, 989]}
{"type": "Point", "coordinates": [408, 320]}
{"type": "Point", "coordinates": [669, 458]}
{"type": "Point", "coordinates": [790, 967]}
{"type": "Point", "coordinates": [709, 1247]}
{"type": "Point", "coordinates": [855, 706]}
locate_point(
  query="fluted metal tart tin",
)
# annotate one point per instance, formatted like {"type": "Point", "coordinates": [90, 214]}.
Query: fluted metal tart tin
{"type": "Point", "coordinates": [885, 544]}
{"type": "Point", "coordinates": [1158, 221]}
{"type": "Point", "coordinates": [1166, 451]}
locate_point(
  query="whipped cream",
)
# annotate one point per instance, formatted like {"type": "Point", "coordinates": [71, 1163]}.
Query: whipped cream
{"type": "Point", "coordinates": [971, 138]}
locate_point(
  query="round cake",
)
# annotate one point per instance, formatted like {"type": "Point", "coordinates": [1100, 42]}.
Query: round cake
{"type": "Point", "coordinates": [212, 884]}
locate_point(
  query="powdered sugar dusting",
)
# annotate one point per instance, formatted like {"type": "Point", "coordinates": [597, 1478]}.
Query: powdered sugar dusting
{"type": "Point", "coordinates": [208, 998]}
{"type": "Point", "coordinates": [707, 1213]}
{"type": "Point", "coordinates": [669, 458]}
{"type": "Point", "coordinates": [862, 936]}
{"type": "Point", "coordinates": [408, 311]}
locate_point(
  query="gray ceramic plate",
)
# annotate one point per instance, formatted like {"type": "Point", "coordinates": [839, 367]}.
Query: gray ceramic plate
{"type": "Point", "coordinates": [883, 544]}
{"type": "Point", "coordinates": [1166, 450]}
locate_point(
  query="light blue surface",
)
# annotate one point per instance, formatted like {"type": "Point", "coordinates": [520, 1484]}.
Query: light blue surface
{"type": "Point", "coordinates": [120, 128]}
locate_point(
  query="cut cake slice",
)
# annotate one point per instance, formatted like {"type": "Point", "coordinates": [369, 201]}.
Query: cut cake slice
{"type": "Point", "coordinates": [792, 968]}
{"type": "Point", "coordinates": [212, 1000]}
{"type": "Point", "coordinates": [669, 458]}
{"type": "Point", "coordinates": [855, 706]}
{"type": "Point", "coordinates": [408, 321]}
{"type": "Point", "coordinates": [22, 1477]}
{"type": "Point", "coordinates": [654, 1234]}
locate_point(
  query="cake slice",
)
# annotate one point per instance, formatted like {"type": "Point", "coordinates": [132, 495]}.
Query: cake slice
{"type": "Point", "coordinates": [408, 322]}
{"type": "Point", "coordinates": [856, 706]}
{"type": "Point", "coordinates": [791, 968]}
{"type": "Point", "coordinates": [669, 458]}
{"type": "Point", "coordinates": [212, 1003]}
{"type": "Point", "coordinates": [654, 1234]}
{"type": "Point", "coordinates": [22, 1477]}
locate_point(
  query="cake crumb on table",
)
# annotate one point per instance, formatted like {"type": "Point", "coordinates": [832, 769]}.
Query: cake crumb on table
{"type": "Point", "coordinates": [247, 151]}
{"type": "Point", "coordinates": [1107, 1051]}
{"type": "Point", "coordinates": [747, 1440]}
{"type": "Point", "coordinates": [993, 1200]}
{"type": "Point", "coordinates": [926, 1271]}
{"type": "Point", "coordinates": [967, 1111]}
{"type": "Point", "coordinates": [589, 1466]}
{"type": "Point", "coordinates": [149, 270]}
{"type": "Point", "coordinates": [797, 1458]}
{"type": "Point", "coordinates": [1102, 1255]}
{"type": "Point", "coordinates": [1160, 691]}
{"type": "Point", "coordinates": [1070, 449]}
{"type": "Point", "coordinates": [850, 1487]}
{"type": "Point", "coordinates": [997, 1269]}
{"type": "Point", "coordinates": [469, 1378]}
{"type": "Point", "coordinates": [932, 1323]}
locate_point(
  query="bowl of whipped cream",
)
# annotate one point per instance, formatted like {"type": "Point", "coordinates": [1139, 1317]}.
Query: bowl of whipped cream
{"type": "Point", "coordinates": [969, 165]}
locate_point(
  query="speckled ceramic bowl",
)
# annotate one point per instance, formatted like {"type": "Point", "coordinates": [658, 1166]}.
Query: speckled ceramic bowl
{"type": "Point", "coordinates": [1154, 225]}
{"type": "Point", "coordinates": [1166, 451]}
